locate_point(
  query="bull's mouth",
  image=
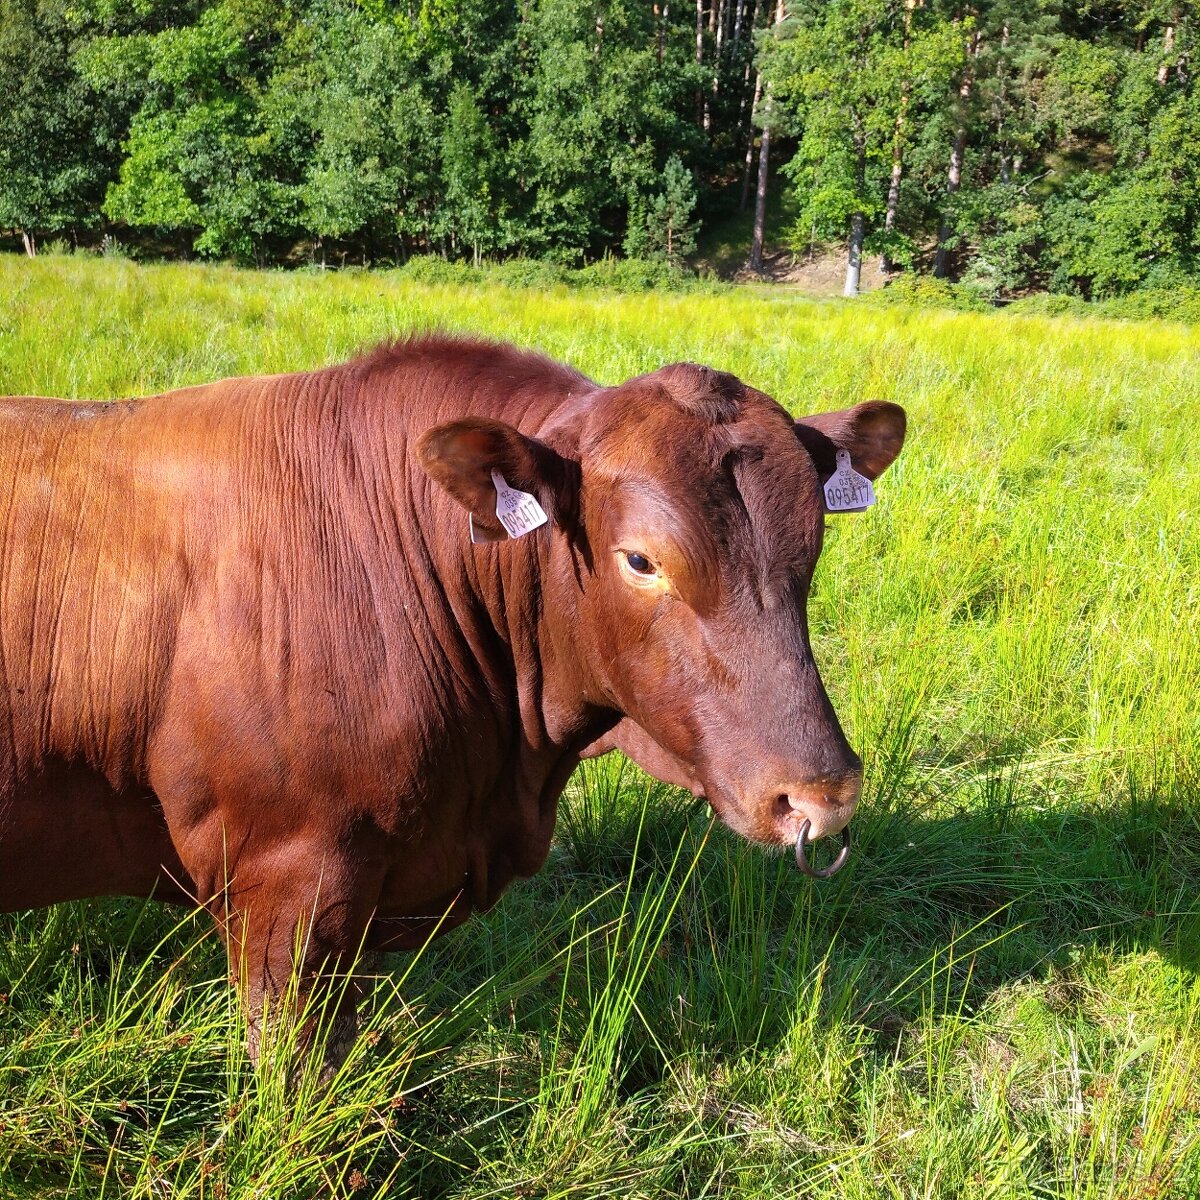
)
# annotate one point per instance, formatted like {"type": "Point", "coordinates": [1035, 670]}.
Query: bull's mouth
{"type": "Point", "coordinates": [802, 844]}
{"type": "Point", "coordinates": [802, 839]}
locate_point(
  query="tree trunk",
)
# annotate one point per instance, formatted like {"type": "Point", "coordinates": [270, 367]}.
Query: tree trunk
{"type": "Point", "coordinates": [764, 150]}
{"type": "Point", "coordinates": [893, 197]}
{"type": "Point", "coordinates": [719, 9]}
{"type": "Point", "coordinates": [30, 244]}
{"type": "Point", "coordinates": [701, 98]}
{"type": "Point", "coordinates": [1164, 70]}
{"type": "Point", "coordinates": [941, 266]}
{"type": "Point", "coordinates": [1002, 108]}
{"type": "Point", "coordinates": [745, 90]}
{"type": "Point", "coordinates": [760, 196]}
{"type": "Point", "coordinates": [854, 261]}
{"type": "Point", "coordinates": [750, 144]}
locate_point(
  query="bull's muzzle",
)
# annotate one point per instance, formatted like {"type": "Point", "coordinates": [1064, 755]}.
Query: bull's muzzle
{"type": "Point", "coordinates": [802, 844]}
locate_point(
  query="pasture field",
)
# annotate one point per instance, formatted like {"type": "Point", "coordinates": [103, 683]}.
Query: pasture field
{"type": "Point", "coordinates": [997, 998]}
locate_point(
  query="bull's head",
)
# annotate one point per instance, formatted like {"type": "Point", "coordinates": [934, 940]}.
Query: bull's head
{"type": "Point", "coordinates": [689, 515]}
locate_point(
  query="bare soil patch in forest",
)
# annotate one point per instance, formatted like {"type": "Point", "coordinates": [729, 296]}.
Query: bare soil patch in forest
{"type": "Point", "coordinates": [819, 274]}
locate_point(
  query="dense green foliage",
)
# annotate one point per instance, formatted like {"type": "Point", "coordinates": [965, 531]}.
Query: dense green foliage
{"type": "Point", "coordinates": [997, 998]}
{"type": "Point", "coordinates": [1049, 144]}
{"type": "Point", "coordinates": [461, 126]}
{"type": "Point", "coordinates": [1041, 142]}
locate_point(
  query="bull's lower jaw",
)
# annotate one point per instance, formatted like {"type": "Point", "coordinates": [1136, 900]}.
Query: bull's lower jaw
{"type": "Point", "coordinates": [773, 828]}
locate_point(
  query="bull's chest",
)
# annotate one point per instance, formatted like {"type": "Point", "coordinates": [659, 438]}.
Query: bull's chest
{"type": "Point", "coordinates": [468, 849]}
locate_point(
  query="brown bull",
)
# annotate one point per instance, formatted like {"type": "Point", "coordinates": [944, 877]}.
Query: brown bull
{"type": "Point", "coordinates": [250, 657]}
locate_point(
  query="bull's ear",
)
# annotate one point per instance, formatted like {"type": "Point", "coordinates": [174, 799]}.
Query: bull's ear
{"type": "Point", "coordinates": [461, 456]}
{"type": "Point", "coordinates": [872, 432]}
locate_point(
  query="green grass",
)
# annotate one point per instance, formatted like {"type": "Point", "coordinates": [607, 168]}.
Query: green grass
{"type": "Point", "coordinates": [998, 997]}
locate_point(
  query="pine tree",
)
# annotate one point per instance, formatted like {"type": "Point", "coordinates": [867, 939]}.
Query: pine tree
{"type": "Point", "coordinates": [664, 227]}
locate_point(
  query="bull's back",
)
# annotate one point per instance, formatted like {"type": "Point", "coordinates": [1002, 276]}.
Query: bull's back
{"type": "Point", "coordinates": [91, 579]}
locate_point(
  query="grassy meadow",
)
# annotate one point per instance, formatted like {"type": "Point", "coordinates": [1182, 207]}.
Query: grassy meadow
{"type": "Point", "coordinates": [998, 997]}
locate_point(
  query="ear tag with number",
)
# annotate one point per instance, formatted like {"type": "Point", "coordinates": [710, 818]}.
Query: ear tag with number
{"type": "Point", "coordinates": [847, 491]}
{"type": "Point", "coordinates": [517, 511]}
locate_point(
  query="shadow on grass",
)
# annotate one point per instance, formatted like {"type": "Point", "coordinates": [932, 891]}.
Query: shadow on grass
{"type": "Point", "coordinates": [935, 915]}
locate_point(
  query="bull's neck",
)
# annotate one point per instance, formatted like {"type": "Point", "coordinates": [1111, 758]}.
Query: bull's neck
{"type": "Point", "coordinates": [530, 588]}
{"type": "Point", "coordinates": [514, 603]}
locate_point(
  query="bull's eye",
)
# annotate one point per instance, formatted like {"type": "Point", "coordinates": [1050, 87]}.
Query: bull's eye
{"type": "Point", "coordinates": [640, 569]}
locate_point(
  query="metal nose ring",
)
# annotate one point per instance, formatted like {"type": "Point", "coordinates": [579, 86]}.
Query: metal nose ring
{"type": "Point", "coordinates": [820, 872]}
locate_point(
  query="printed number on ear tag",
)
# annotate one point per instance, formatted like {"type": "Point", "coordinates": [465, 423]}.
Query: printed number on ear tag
{"type": "Point", "coordinates": [846, 490]}
{"type": "Point", "coordinates": [517, 511]}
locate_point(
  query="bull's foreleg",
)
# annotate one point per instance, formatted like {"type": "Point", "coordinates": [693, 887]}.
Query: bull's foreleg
{"type": "Point", "coordinates": [294, 927]}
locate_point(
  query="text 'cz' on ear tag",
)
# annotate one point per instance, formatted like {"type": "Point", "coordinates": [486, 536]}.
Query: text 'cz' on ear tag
{"type": "Point", "coordinates": [847, 491]}
{"type": "Point", "coordinates": [517, 511]}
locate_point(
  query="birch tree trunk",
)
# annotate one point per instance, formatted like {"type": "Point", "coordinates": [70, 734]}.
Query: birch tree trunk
{"type": "Point", "coordinates": [30, 244]}
{"type": "Point", "coordinates": [1002, 109]}
{"type": "Point", "coordinates": [764, 153]}
{"type": "Point", "coordinates": [893, 197]}
{"type": "Point", "coordinates": [1164, 70]}
{"type": "Point", "coordinates": [941, 262]}
{"type": "Point", "coordinates": [750, 143]}
{"type": "Point", "coordinates": [858, 220]}
{"type": "Point", "coordinates": [760, 195]}
{"type": "Point", "coordinates": [719, 9]}
{"type": "Point", "coordinates": [754, 102]}
{"type": "Point", "coordinates": [854, 259]}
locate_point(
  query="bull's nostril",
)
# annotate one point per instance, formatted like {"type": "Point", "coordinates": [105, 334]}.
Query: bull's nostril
{"type": "Point", "coordinates": [787, 802]}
